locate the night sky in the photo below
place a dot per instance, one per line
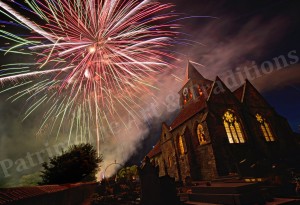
(270, 27)
(230, 35)
(244, 31)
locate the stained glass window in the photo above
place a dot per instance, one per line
(233, 128)
(180, 145)
(200, 90)
(201, 134)
(265, 128)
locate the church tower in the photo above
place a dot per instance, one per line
(195, 86)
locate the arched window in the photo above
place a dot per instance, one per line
(180, 145)
(184, 99)
(265, 128)
(233, 128)
(190, 94)
(187, 95)
(200, 134)
(200, 91)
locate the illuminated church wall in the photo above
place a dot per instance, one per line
(219, 132)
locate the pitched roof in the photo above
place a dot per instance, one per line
(188, 112)
(239, 93)
(155, 151)
(253, 96)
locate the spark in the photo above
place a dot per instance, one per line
(91, 58)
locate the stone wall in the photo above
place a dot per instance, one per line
(198, 161)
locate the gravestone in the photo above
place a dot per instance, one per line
(168, 190)
(150, 185)
(156, 190)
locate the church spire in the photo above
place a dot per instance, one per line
(192, 73)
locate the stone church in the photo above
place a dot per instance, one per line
(219, 133)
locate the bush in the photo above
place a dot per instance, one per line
(79, 163)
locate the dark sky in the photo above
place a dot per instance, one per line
(258, 30)
(236, 33)
(253, 30)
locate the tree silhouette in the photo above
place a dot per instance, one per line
(79, 163)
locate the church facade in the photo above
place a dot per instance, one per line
(219, 132)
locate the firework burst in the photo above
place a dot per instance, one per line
(90, 56)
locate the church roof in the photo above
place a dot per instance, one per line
(248, 91)
(188, 112)
(192, 73)
(155, 151)
(239, 93)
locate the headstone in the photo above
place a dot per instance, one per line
(150, 184)
(168, 190)
(156, 190)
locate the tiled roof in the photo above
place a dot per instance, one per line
(8, 195)
(188, 112)
(155, 151)
(15, 194)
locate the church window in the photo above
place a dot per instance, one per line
(200, 90)
(187, 95)
(190, 94)
(201, 134)
(233, 128)
(184, 99)
(180, 145)
(265, 128)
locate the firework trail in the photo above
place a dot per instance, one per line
(90, 56)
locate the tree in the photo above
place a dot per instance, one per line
(79, 163)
